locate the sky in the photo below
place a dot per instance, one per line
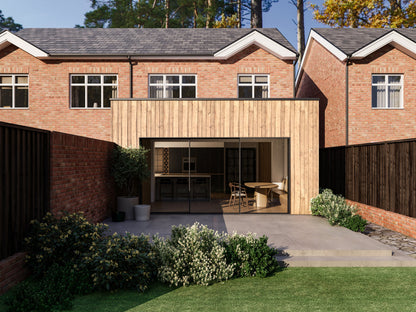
(68, 13)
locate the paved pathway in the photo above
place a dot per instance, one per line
(304, 240)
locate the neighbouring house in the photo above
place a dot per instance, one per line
(213, 106)
(365, 79)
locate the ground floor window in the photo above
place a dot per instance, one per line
(219, 175)
(14, 91)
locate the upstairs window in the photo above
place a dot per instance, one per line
(172, 86)
(253, 86)
(14, 91)
(387, 91)
(93, 91)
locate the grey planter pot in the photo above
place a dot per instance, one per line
(142, 212)
(125, 203)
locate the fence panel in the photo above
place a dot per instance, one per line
(24, 183)
(378, 174)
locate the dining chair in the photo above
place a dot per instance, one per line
(237, 191)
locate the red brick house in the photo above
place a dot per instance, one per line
(365, 79)
(212, 105)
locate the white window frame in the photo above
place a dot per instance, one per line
(86, 85)
(253, 84)
(14, 85)
(164, 84)
(386, 85)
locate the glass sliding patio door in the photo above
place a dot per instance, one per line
(220, 175)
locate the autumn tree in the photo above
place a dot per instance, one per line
(8, 23)
(367, 13)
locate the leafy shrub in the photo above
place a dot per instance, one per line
(250, 255)
(128, 166)
(59, 241)
(121, 262)
(54, 291)
(192, 255)
(337, 211)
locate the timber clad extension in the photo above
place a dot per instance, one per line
(365, 80)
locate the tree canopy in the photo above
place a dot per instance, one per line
(367, 13)
(8, 23)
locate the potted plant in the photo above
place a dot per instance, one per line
(129, 168)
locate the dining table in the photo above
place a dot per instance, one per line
(261, 190)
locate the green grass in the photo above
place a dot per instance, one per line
(293, 289)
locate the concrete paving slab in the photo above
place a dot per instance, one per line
(307, 240)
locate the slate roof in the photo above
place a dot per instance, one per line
(139, 41)
(350, 40)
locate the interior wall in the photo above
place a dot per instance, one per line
(279, 159)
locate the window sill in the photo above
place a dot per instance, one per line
(14, 108)
(90, 108)
(387, 108)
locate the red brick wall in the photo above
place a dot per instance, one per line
(372, 125)
(12, 271)
(393, 221)
(323, 77)
(49, 85)
(80, 176)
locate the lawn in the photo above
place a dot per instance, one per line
(294, 289)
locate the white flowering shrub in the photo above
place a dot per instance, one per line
(337, 211)
(192, 255)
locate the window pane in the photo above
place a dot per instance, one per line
(378, 79)
(78, 79)
(5, 96)
(109, 93)
(110, 79)
(244, 92)
(94, 96)
(188, 79)
(188, 92)
(21, 79)
(156, 79)
(6, 79)
(378, 96)
(260, 92)
(21, 97)
(172, 79)
(78, 96)
(395, 96)
(244, 79)
(172, 92)
(395, 79)
(261, 79)
(156, 92)
(94, 79)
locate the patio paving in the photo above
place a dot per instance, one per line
(303, 240)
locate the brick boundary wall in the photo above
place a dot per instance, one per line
(12, 271)
(80, 176)
(391, 220)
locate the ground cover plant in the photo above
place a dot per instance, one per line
(337, 211)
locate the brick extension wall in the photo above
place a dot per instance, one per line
(49, 85)
(80, 176)
(12, 271)
(393, 221)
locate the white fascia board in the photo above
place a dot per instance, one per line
(394, 38)
(7, 38)
(260, 40)
(326, 44)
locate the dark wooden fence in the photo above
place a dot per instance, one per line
(382, 175)
(24, 183)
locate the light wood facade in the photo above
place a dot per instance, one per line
(133, 119)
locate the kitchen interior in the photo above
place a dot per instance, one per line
(194, 175)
